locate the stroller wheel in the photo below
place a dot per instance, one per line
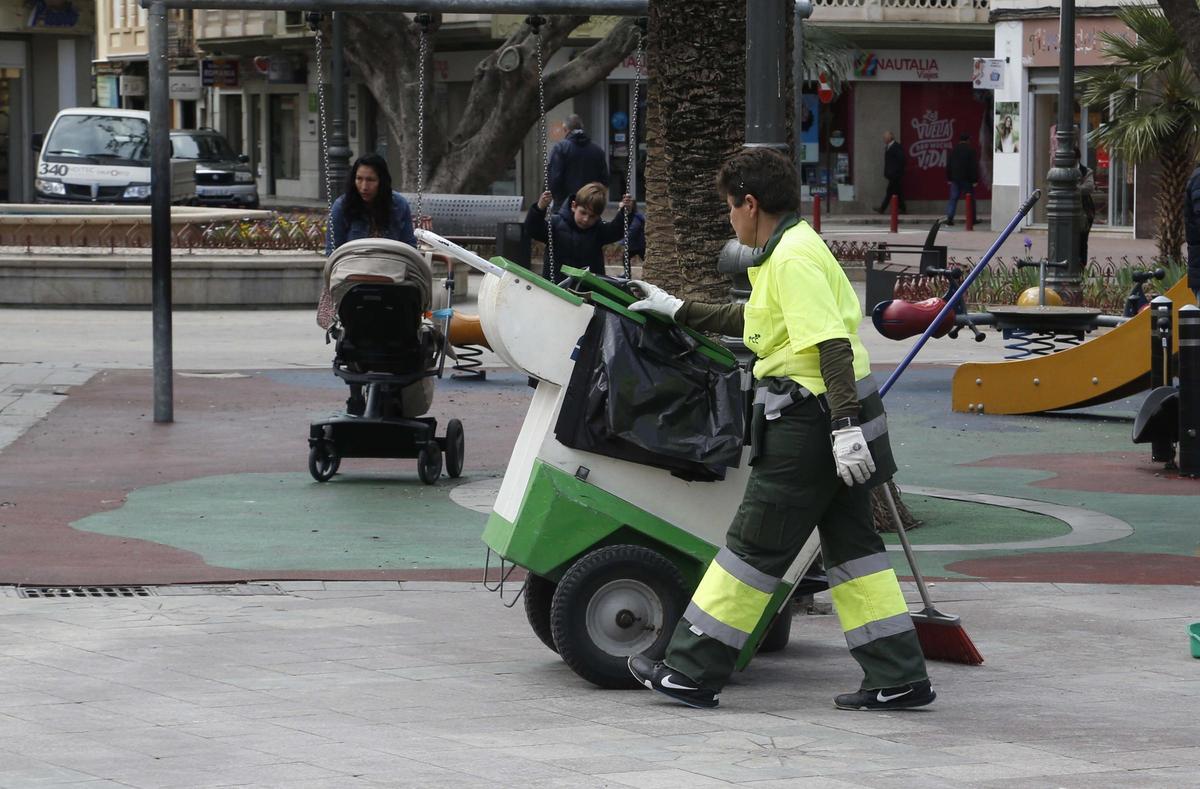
(455, 446)
(429, 463)
(323, 462)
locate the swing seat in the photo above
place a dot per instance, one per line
(898, 319)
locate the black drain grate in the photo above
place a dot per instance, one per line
(84, 591)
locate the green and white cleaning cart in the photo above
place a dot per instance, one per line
(613, 548)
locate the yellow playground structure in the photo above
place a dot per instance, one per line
(1114, 365)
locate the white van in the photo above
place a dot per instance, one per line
(99, 155)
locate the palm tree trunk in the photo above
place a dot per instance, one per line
(1176, 162)
(696, 119)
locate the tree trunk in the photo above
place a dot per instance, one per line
(882, 516)
(1184, 16)
(696, 118)
(502, 105)
(1176, 163)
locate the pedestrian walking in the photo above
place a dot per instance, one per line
(894, 161)
(962, 171)
(574, 162)
(819, 443)
(1191, 215)
(1087, 186)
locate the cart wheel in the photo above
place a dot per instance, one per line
(777, 635)
(323, 461)
(429, 463)
(615, 602)
(455, 447)
(539, 593)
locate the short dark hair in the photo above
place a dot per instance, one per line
(765, 173)
(964, 137)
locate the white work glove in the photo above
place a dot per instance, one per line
(851, 455)
(655, 299)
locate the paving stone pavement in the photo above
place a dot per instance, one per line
(439, 685)
(30, 391)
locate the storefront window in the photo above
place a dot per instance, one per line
(617, 128)
(826, 131)
(285, 137)
(1113, 195)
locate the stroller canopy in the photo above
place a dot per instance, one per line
(377, 260)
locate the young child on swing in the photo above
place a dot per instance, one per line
(579, 232)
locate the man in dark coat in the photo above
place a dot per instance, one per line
(1191, 217)
(893, 171)
(575, 161)
(962, 171)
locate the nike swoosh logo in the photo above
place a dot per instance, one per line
(884, 699)
(667, 683)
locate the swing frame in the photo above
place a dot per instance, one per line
(160, 114)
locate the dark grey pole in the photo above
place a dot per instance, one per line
(804, 10)
(339, 143)
(1063, 207)
(766, 67)
(1189, 390)
(525, 7)
(160, 212)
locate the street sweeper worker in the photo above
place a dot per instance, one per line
(819, 443)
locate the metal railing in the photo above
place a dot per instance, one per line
(902, 10)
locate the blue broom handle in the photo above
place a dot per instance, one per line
(1025, 208)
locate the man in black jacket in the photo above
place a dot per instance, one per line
(962, 171)
(893, 171)
(575, 161)
(1191, 217)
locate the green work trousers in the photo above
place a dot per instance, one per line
(794, 487)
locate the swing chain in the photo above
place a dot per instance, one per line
(535, 23)
(314, 23)
(632, 146)
(422, 20)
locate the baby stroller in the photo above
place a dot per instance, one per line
(388, 352)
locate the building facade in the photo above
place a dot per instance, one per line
(912, 76)
(1027, 39)
(264, 68)
(45, 65)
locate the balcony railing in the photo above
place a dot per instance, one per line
(971, 11)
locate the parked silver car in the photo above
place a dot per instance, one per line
(223, 178)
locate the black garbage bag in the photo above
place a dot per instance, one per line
(645, 393)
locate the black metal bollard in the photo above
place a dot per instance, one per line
(1162, 371)
(1189, 390)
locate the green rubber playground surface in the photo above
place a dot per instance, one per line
(376, 521)
(290, 522)
(945, 521)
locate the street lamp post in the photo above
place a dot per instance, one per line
(339, 143)
(803, 10)
(1063, 207)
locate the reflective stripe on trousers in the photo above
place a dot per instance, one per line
(868, 599)
(730, 600)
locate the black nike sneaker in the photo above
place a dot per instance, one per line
(905, 697)
(669, 682)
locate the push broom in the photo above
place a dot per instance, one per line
(941, 635)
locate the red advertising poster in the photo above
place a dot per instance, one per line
(932, 117)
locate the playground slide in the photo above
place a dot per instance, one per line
(1109, 367)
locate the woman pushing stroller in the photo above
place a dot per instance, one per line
(364, 210)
